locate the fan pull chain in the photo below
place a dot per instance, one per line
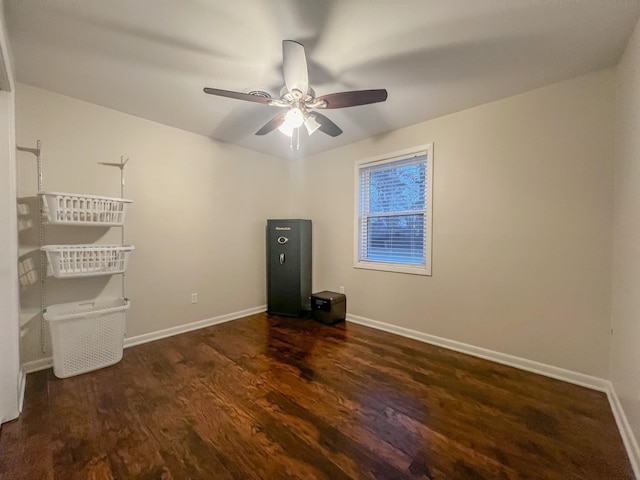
(294, 144)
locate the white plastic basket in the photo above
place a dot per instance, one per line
(68, 261)
(74, 209)
(86, 336)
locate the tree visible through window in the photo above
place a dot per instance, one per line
(394, 213)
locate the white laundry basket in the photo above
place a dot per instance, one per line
(86, 336)
(74, 209)
(68, 261)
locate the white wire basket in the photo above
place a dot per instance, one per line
(86, 336)
(74, 209)
(67, 261)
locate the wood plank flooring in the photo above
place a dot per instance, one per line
(267, 397)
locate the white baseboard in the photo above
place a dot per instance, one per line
(22, 384)
(569, 376)
(576, 378)
(169, 332)
(628, 438)
(30, 367)
(37, 365)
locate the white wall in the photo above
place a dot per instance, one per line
(522, 218)
(197, 221)
(9, 357)
(521, 231)
(625, 342)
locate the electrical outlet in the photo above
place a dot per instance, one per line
(194, 298)
(341, 289)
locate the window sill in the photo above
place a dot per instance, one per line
(394, 267)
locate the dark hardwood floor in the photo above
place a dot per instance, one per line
(275, 398)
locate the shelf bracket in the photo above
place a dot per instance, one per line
(121, 165)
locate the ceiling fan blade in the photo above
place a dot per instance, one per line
(272, 124)
(294, 67)
(354, 98)
(237, 95)
(326, 125)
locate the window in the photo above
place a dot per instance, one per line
(393, 212)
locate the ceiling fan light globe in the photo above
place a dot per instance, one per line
(294, 118)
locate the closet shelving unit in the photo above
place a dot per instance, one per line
(85, 336)
(41, 238)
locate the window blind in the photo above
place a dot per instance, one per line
(392, 211)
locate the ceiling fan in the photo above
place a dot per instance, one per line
(298, 99)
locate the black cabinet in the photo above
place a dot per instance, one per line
(288, 267)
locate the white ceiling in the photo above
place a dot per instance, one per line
(152, 58)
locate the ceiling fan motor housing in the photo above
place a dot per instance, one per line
(259, 93)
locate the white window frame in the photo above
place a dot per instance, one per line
(425, 269)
